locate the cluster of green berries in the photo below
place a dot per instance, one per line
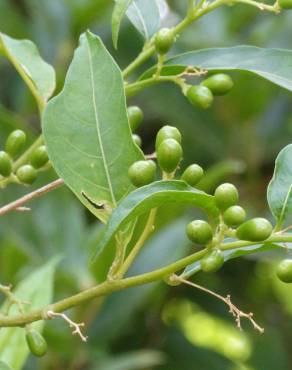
(202, 95)
(27, 173)
(36, 343)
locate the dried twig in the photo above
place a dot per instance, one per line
(72, 324)
(28, 197)
(236, 312)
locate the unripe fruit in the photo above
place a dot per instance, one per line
(285, 4)
(219, 84)
(169, 154)
(137, 140)
(226, 195)
(167, 132)
(26, 174)
(15, 142)
(199, 232)
(200, 96)
(135, 115)
(39, 157)
(212, 262)
(36, 343)
(142, 173)
(164, 40)
(234, 216)
(5, 164)
(193, 174)
(284, 271)
(4, 366)
(254, 230)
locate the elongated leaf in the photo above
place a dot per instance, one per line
(230, 254)
(145, 16)
(37, 289)
(25, 57)
(280, 188)
(87, 132)
(119, 11)
(274, 65)
(141, 201)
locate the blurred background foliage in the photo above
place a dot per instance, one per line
(155, 326)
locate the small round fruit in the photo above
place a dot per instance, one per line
(199, 232)
(193, 174)
(200, 96)
(234, 216)
(4, 366)
(36, 343)
(39, 157)
(135, 115)
(285, 4)
(219, 84)
(284, 270)
(212, 262)
(15, 142)
(142, 173)
(164, 40)
(254, 230)
(226, 195)
(167, 132)
(26, 174)
(169, 154)
(5, 164)
(137, 140)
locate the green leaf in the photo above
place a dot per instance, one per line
(280, 188)
(141, 201)
(145, 16)
(274, 65)
(86, 129)
(119, 11)
(37, 289)
(37, 74)
(230, 254)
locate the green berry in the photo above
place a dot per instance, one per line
(5, 164)
(199, 232)
(137, 140)
(135, 115)
(234, 216)
(15, 142)
(26, 174)
(226, 195)
(200, 96)
(219, 84)
(39, 157)
(193, 174)
(169, 154)
(4, 366)
(254, 230)
(284, 270)
(167, 132)
(212, 262)
(164, 40)
(142, 173)
(285, 4)
(36, 343)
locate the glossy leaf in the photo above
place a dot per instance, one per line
(141, 201)
(145, 16)
(25, 57)
(280, 188)
(86, 129)
(274, 65)
(230, 254)
(37, 289)
(119, 11)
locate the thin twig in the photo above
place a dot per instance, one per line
(28, 197)
(236, 312)
(72, 324)
(12, 299)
